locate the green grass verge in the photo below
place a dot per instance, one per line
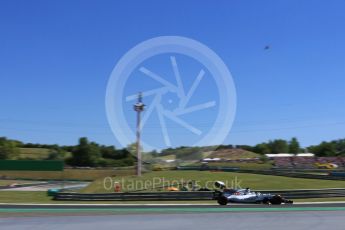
(203, 178)
(167, 157)
(24, 197)
(320, 199)
(70, 174)
(245, 180)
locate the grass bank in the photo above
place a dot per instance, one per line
(154, 180)
(68, 174)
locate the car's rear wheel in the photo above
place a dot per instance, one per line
(265, 201)
(222, 200)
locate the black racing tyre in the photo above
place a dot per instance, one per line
(288, 201)
(266, 201)
(222, 200)
(276, 200)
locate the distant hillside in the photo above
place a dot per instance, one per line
(228, 154)
(232, 154)
(32, 153)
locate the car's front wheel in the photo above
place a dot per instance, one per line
(276, 200)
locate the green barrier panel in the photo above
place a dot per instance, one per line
(31, 165)
(53, 191)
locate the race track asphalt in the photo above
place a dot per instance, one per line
(186, 206)
(277, 220)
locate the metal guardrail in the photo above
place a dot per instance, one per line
(148, 196)
(308, 193)
(196, 196)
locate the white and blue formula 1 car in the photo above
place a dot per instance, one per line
(246, 196)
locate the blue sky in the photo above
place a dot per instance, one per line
(56, 58)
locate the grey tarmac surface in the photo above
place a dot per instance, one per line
(311, 220)
(146, 206)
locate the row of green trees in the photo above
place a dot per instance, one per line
(92, 154)
(332, 148)
(86, 153)
(278, 146)
(273, 146)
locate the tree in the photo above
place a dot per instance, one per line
(56, 154)
(279, 146)
(340, 147)
(7, 148)
(262, 148)
(264, 159)
(294, 146)
(324, 149)
(85, 153)
(109, 152)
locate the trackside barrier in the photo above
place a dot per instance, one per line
(190, 196)
(308, 193)
(149, 196)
